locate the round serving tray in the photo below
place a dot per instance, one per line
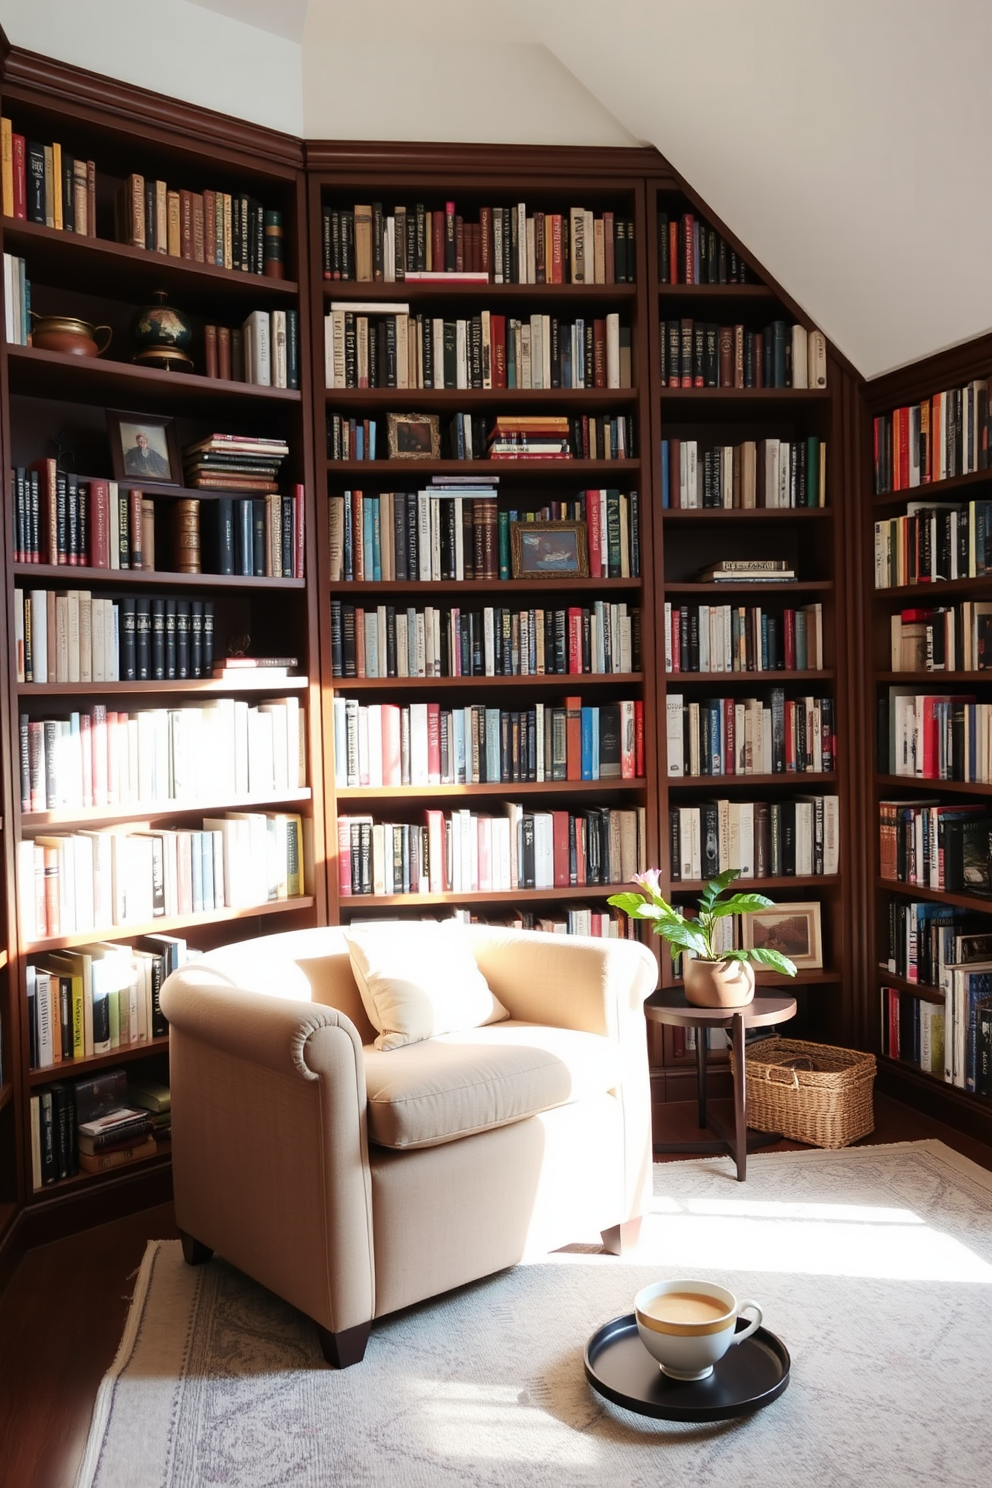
(750, 1374)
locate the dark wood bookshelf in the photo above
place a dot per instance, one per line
(148, 578)
(539, 588)
(510, 472)
(979, 902)
(748, 679)
(87, 816)
(188, 687)
(531, 898)
(56, 374)
(935, 490)
(929, 787)
(67, 1068)
(935, 592)
(494, 400)
(735, 514)
(168, 924)
(543, 680)
(918, 989)
(478, 789)
(788, 779)
(786, 881)
(750, 586)
(416, 290)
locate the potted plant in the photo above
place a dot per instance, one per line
(711, 978)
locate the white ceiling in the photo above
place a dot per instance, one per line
(843, 142)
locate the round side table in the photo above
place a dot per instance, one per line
(668, 1005)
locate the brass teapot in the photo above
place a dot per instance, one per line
(68, 334)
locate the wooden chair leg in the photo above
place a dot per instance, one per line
(622, 1238)
(194, 1251)
(345, 1348)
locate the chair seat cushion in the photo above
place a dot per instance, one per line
(459, 1083)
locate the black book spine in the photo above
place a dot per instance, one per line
(169, 625)
(196, 638)
(128, 641)
(143, 639)
(182, 638)
(158, 640)
(36, 182)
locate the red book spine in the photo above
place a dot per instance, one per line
(673, 252)
(560, 835)
(594, 534)
(344, 857)
(729, 737)
(639, 769)
(20, 178)
(688, 249)
(893, 999)
(486, 240)
(436, 237)
(609, 249)
(575, 642)
(299, 534)
(557, 267)
(790, 736)
(497, 335)
(676, 640)
(210, 226)
(903, 449)
(789, 628)
(573, 738)
(186, 223)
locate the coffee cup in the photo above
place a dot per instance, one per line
(689, 1325)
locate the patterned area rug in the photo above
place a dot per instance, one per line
(874, 1265)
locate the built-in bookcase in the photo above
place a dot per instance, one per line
(927, 698)
(55, 409)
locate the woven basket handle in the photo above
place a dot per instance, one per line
(786, 1070)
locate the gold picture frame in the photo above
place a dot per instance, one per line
(413, 436)
(549, 550)
(793, 929)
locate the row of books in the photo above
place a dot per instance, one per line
(16, 302)
(743, 638)
(250, 536)
(390, 641)
(229, 230)
(913, 1030)
(952, 1040)
(747, 736)
(692, 252)
(95, 998)
(383, 346)
(424, 744)
(83, 1125)
(94, 880)
(76, 636)
(219, 749)
(469, 852)
(235, 462)
(702, 354)
(943, 436)
(935, 846)
(757, 473)
(457, 531)
(504, 245)
(932, 737)
(926, 940)
(44, 183)
(265, 350)
(469, 437)
(945, 638)
(763, 839)
(568, 919)
(934, 542)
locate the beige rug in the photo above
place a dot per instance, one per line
(874, 1266)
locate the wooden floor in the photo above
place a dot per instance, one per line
(63, 1313)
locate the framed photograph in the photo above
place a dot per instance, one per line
(143, 446)
(549, 550)
(793, 929)
(414, 436)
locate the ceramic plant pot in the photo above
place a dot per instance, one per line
(717, 984)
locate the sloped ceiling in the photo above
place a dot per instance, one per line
(844, 142)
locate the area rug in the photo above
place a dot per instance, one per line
(874, 1265)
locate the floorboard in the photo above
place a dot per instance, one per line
(63, 1313)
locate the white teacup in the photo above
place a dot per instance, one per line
(688, 1325)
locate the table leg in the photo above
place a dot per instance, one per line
(701, 1042)
(740, 1098)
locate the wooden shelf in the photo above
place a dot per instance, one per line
(495, 896)
(54, 374)
(936, 896)
(775, 679)
(122, 272)
(84, 1180)
(918, 989)
(814, 881)
(566, 680)
(937, 490)
(794, 586)
(933, 787)
(542, 587)
(415, 289)
(727, 292)
(492, 400)
(733, 401)
(84, 816)
(500, 788)
(71, 1068)
(146, 578)
(918, 679)
(788, 778)
(509, 472)
(166, 925)
(935, 591)
(209, 686)
(788, 514)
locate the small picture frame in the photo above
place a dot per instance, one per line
(414, 436)
(144, 447)
(549, 550)
(793, 929)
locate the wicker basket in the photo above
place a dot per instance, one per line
(810, 1092)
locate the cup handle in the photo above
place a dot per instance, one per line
(110, 336)
(756, 1323)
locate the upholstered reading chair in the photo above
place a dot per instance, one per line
(353, 1180)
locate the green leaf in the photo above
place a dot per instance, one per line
(741, 904)
(775, 960)
(734, 955)
(716, 887)
(630, 903)
(686, 937)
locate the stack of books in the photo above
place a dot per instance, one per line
(748, 571)
(529, 437)
(234, 462)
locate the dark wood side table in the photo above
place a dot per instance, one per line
(668, 1005)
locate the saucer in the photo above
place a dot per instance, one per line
(750, 1375)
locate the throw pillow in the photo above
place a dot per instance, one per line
(420, 978)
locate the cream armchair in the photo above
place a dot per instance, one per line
(353, 1182)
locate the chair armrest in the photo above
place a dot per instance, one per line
(269, 1139)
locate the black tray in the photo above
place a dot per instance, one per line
(750, 1374)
